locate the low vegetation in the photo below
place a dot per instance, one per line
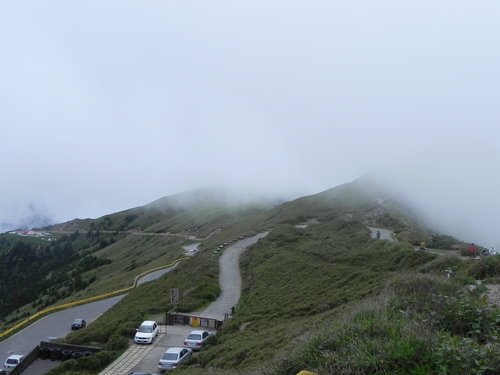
(295, 280)
(420, 324)
(327, 298)
(36, 273)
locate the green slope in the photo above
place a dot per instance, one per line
(294, 280)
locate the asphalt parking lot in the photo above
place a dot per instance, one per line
(145, 358)
(175, 336)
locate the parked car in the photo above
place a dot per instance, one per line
(196, 339)
(173, 357)
(146, 332)
(12, 362)
(78, 323)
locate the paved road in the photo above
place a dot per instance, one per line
(57, 324)
(230, 284)
(145, 358)
(230, 278)
(155, 275)
(385, 234)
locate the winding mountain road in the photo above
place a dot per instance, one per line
(229, 278)
(58, 324)
(145, 359)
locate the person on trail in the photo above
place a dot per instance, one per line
(378, 235)
(422, 246)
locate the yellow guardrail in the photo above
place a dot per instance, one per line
(64, 306)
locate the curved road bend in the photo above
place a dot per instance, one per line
(155, 275)
(138, 359)
(58, 324)
(230, 278)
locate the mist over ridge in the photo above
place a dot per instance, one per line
(278, 99)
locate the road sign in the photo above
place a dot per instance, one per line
(174, 296)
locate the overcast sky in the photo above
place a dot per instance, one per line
(106, 105)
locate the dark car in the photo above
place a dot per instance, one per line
(139, 373)
(78, 323)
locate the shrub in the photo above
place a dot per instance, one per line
(116, 342)
(445, 305)
(440, 264)
(464, 314)
(486, 267)
(459, 355)
(78, 366)
(372, 342)
(415, 293)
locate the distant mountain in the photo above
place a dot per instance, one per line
(200, 212)
(31, 216)
(197, 213)
(104, 254)
(363, 200)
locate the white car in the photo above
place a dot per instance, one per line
(12, 362)
(173, 357)
(196, 339)
(146, 332)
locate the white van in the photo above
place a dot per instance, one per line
(12, 362)
(146, 332)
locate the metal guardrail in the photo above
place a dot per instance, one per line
(41, 313)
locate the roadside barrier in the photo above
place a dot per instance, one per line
(41, 313)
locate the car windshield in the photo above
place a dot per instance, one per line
(169, 356)
(194, 336)
(12, 361)
(78, 321)
(145, 329)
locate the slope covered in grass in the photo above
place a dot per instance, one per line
(293, 280)
(421, 324)
(196, 213)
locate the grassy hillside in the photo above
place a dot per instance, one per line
(105, 254)
(196, 213)
(298, 282)
(294, 280)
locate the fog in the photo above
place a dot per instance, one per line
(106, 105)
